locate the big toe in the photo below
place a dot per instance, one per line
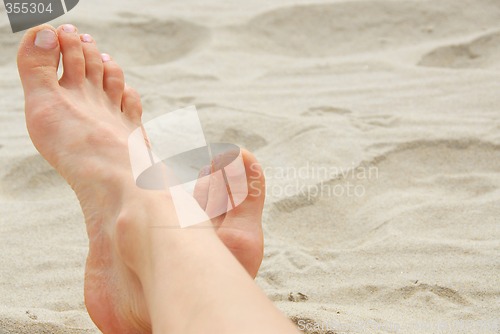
(253, 204)
(38, 59)
(241, 230)
(247, 199)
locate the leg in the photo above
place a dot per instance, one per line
(137, 277)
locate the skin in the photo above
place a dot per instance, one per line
(138, 279)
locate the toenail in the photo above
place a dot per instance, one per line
(46, 39)
(105, 57)
(69, 28)
(87, 38)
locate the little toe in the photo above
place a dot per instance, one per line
(114, 80)
(72, 56)
(131, 105)
(94, 69)
(38, 60)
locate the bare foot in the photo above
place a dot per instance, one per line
(81, 124)
(237, 228)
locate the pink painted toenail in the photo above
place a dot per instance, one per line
(87, 38)
(69, 28)
(46, 39)
(105, 57)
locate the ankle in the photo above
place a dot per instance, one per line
(133, 232)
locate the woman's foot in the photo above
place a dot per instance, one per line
(81, 124)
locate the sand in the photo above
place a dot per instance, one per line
(378, 124)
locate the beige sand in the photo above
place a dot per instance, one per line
(396, 101)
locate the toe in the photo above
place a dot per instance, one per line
(94, 69)
(131, 105)
(241, 230)
(253, 203)
(72, 55)
(211, 195)
(217, 196)
(38, 59)
(114, 80)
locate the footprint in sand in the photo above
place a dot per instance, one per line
(322, 30)
(404, 188)
(158, 42)
(483, 52)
